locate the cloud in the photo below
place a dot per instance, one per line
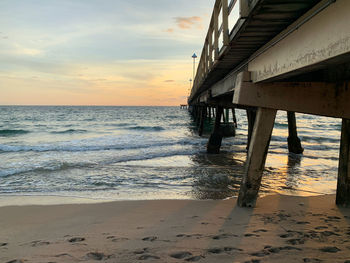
(170, 30)
(188, 22)
(169, 80)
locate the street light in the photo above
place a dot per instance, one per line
(190, 87)
(194, 56)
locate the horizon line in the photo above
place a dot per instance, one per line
(66, 105)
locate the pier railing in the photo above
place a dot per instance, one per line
(223, 20)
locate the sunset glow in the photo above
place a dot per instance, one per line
(99, 52)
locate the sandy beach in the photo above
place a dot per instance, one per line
(279, 229)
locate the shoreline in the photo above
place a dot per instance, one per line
(280, 229)
(57, 199)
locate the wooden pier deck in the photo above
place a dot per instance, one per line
(269, 55)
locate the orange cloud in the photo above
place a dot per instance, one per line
(188, 22)
(170, 30)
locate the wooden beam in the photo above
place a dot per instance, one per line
(251, 116)
(319, 98)
(343, 186)
(311, 40)
(257, 153)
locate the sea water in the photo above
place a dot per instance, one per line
(134, 153)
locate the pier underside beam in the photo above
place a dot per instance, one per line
(320, 35)
(257, 153)
(343, 186)
(318, 98)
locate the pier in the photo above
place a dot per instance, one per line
(268, 55)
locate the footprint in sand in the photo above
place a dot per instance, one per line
(141, 251)
(321, 227)
(187, 256)
(194, 259)
(76, 239)
(3, 244)
(151, 238)
(253, 261)
(146, 257)
(260, 230)
(286, 235)
(303, 222)
(222, 236)
(217, 250)
(64, 255)
(329, 233)
(312, 260)
(39, 243)
(181, 255)
(97, 256)
(251, 235)
(296, 241)
(268, 250)
(15, 261)
(188, 236)
(330, 249)
(118, 239)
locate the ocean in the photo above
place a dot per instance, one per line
(140, 153)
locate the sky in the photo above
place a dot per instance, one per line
(99, 52)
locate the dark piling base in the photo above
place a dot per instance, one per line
(215, 139)
(294, 144)
(214, 143)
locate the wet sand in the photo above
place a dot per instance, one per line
(279, 229)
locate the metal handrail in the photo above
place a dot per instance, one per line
(211, 49)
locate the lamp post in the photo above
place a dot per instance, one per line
(194, 56)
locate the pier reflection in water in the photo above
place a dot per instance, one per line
(311, 173)
(220, 177)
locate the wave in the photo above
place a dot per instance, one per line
(69, 131)
(75, 147)
(7, 132)
(280, 124)
(52, 166)
(122, 124)
(147, 128)
(44, 168)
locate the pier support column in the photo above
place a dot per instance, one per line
(203, 115)
(343, 186)
(215, 138)
(256, 157)
(294, 144)
(198, 115)
(234, 117)
(251, 114)
(227, 115)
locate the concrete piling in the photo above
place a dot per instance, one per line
(215, 138)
